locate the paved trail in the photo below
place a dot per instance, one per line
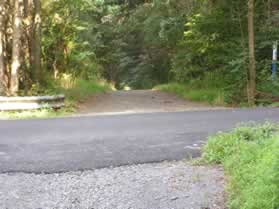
(80, 143)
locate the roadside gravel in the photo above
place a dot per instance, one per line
(168, 185)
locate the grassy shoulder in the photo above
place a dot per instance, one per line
(212, 91)
(75, 93)
(250, 156)
(212, 96)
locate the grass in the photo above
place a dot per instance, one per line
(275, 104)
(43, 113)
(213, 96)
(250, 156)
(84, 89)
(75, 93)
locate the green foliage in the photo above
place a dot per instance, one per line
(66, 42)
(31, 114)
(144, 39)
(216, 40)
(211, 96)
(142, 44)
(250, 156)
(209, 89)
(83, 89)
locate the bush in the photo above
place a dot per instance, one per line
(208, 90)
(250, 155)
(82, 89)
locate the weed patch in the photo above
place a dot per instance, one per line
(213, 96)
(250, 156)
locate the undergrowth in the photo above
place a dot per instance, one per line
(213, 96)
(250, 156)
(84, 89)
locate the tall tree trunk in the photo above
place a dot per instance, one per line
(16, 54)
(9, 41)
(252, 59)
(2, 47)
(268, 9)
(36, 42)
(28, 35)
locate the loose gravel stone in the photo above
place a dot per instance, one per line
(168, 185)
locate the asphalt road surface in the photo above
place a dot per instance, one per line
(85, 143)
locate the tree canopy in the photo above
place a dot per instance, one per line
(139, 43)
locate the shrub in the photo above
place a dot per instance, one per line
(211, 95)
(82, 89)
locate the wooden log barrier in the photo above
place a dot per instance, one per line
(31, 103)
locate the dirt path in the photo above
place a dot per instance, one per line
(138, 101)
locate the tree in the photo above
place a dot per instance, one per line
(36, 42)
(2, 42)
(140, 43)
(252, 59)
(16, 51)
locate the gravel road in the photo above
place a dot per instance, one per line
(168, 185)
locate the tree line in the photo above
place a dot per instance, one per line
(186, 41)
(20, 44)
(139, 43)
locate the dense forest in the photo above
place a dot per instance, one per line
(219, 44)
